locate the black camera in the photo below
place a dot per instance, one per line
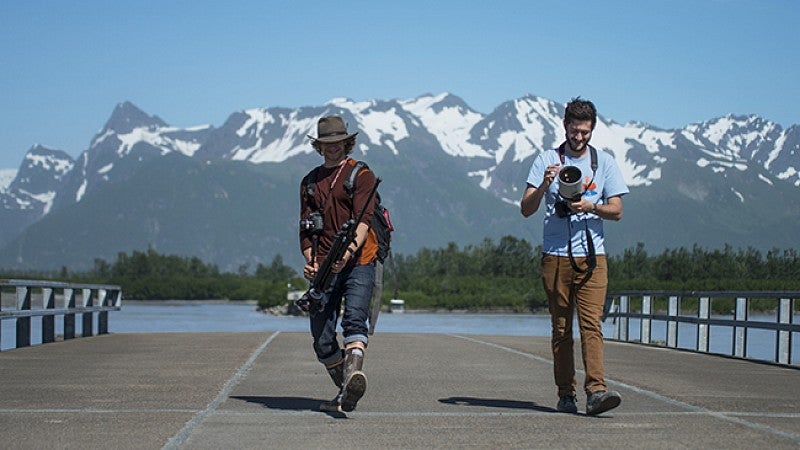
(312, 223)
(310, 302)
(562, 209)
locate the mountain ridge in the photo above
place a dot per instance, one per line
(444, 162)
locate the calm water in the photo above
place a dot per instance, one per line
(142, 317)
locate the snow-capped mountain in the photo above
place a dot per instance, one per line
(38, 180)
(129, 138)
(446, 159)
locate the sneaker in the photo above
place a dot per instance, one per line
(567, 404)
(602, 401)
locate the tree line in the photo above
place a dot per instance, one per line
(489, 275)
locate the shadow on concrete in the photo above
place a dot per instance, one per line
(290, 404)
(495, 403)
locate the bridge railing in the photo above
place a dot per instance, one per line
(692, 313)
(48, 299)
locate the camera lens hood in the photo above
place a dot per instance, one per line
(569, 183)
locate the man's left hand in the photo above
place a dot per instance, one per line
(340, 264)
(582, 206)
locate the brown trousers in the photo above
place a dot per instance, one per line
(568, 291)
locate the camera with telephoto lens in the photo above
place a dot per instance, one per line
(570, 189)
(310, 302)
(312, 223)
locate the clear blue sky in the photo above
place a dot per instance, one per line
(64, 66)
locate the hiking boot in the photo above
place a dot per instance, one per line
(567, 404)
(336, 371)
(601, 401)
(334, 405)
(355, 383)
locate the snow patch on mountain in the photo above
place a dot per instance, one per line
(738, 194)
(48, 162)
(733, 137)
(619, 139)
(539, 121)
(81, 190)
(292, 141)
(158, 138)
(789, 173)
(765, 180)
(354, 107)
(383, 126)
(486, 179)
(776, 150)
(254, 125)
(6, 177)
(451, 125)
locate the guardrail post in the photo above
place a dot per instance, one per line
(624, 307)
(102, 316)
(48, 321)
(783, 346)
(69, 318)
(672, 325)
(87, 328)
(23, 323)
(613, 309)
(703, 328)
(740, 332)
(645, 331)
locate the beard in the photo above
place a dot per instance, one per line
(577, 146)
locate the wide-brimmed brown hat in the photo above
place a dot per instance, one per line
(331, 129)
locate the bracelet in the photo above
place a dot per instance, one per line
(351, 251)
(594, 208)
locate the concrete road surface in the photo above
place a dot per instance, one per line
(262, 390)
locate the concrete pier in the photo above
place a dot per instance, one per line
(262, 390)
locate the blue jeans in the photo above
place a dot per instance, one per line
(355, 284)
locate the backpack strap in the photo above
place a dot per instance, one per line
(308, 186)
(350, 182)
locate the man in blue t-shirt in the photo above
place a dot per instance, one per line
(581, 187)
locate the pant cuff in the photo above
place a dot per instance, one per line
(356, 338)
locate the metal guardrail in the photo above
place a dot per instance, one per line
(619, 308)
(76, 299)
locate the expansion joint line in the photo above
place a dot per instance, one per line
(180, 438)
(719, 415)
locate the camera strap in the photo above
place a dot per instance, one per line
(309, 189)
(562, 150)
(311, 181)
(591, 257)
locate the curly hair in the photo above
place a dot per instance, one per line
(349, 144)
(580, 110)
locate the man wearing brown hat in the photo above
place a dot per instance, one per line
(325, 206)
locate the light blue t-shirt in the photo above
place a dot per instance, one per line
(607, 182)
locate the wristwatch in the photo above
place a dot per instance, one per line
(594, 208)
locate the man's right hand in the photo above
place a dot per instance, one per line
(310, 270)
(550, 175)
